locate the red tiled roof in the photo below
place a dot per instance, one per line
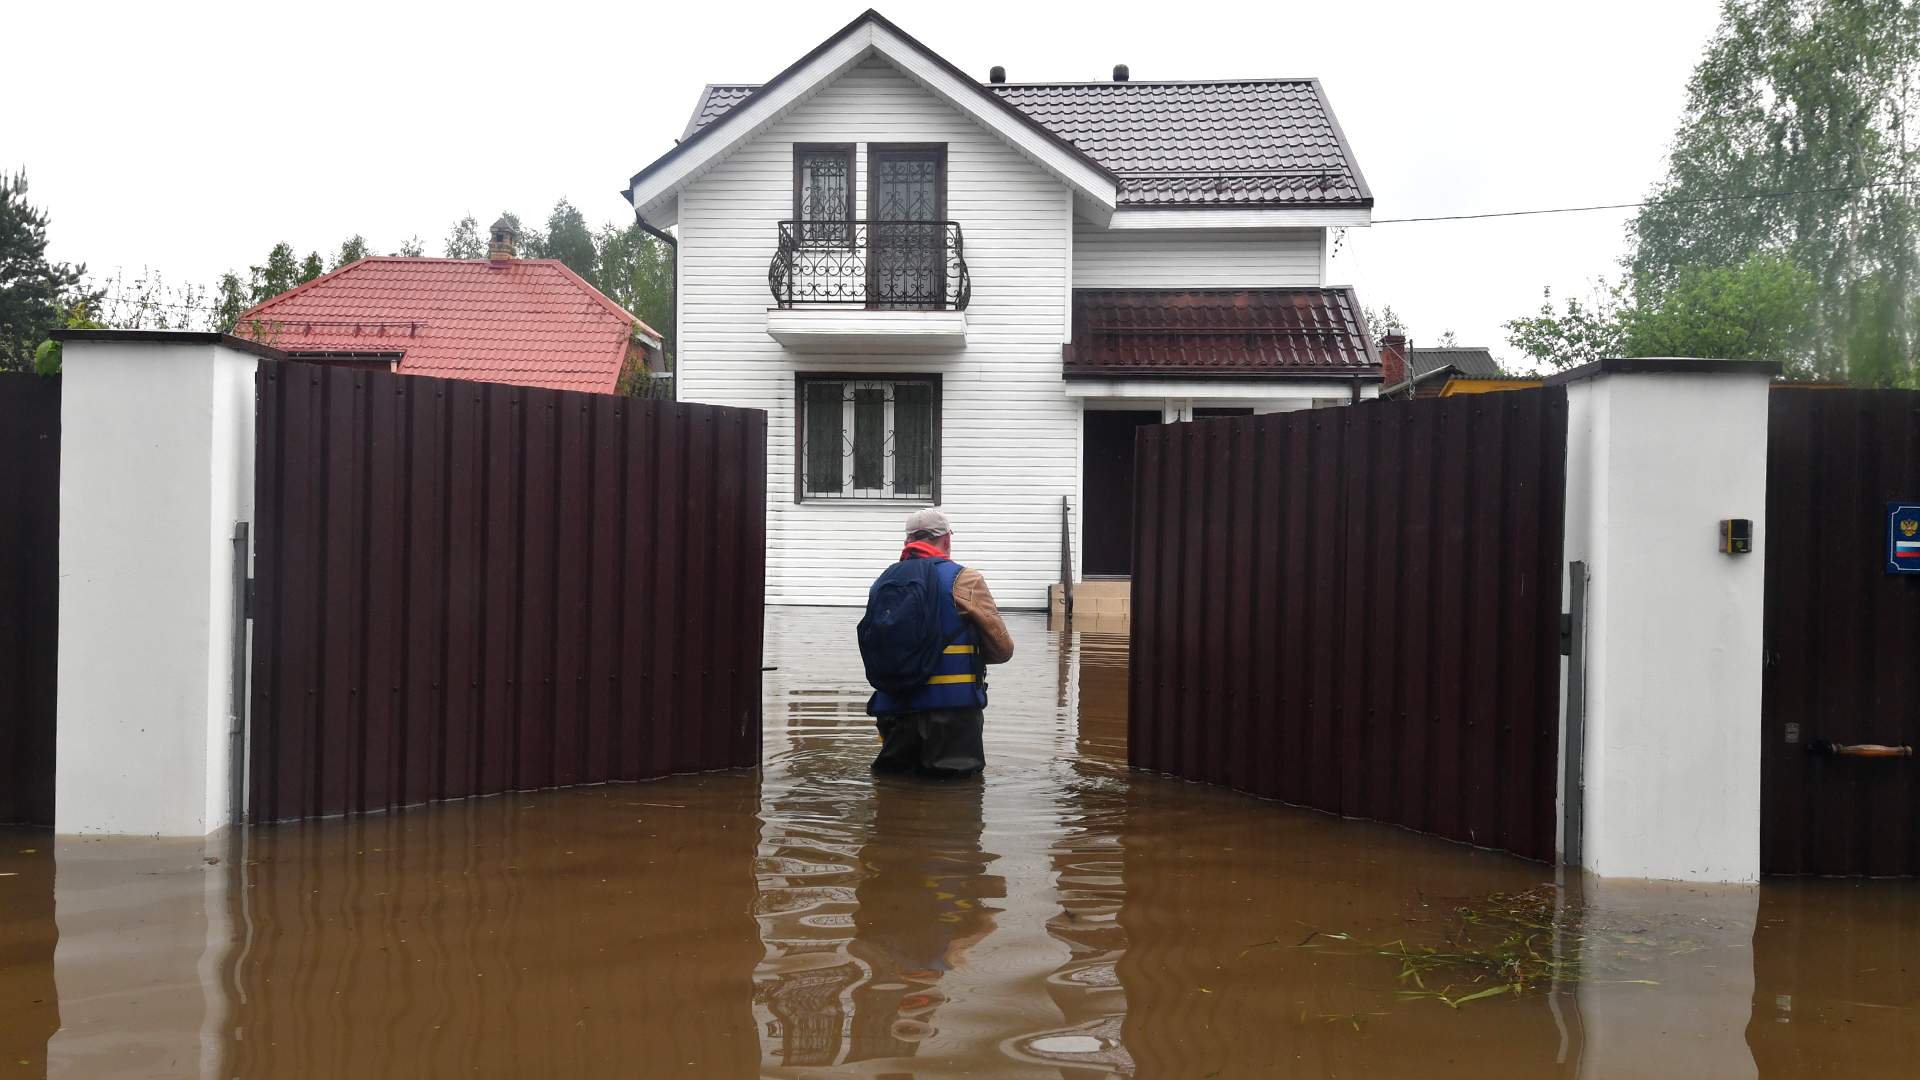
(528, 322)
(1218, 332)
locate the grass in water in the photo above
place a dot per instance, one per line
(1503, 944)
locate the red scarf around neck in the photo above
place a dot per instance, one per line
(920, 549)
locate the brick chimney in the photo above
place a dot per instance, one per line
(500, 248)
(1393, 359)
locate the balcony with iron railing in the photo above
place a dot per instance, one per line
(869, 285)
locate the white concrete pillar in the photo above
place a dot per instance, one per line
(157, 453)
(1658, 452)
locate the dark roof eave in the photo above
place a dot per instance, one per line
(1443, 369)
(346, 354)
(1212, 374)
(1365, 203)
(1340, 136)
(171, 337)
(1663, 365)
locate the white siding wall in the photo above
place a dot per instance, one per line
(1195, 259)
(1010, 440)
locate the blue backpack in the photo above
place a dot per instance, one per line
(900, 639)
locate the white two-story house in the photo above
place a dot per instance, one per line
(970, 293)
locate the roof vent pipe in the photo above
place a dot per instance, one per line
(1119, 73)
(997, 75)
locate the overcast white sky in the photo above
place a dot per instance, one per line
(190, 138)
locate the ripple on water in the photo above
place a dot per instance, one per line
(1059, 917)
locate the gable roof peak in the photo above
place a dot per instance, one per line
(870, 33)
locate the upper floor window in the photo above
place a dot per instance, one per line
(902, 254)
(823, 192)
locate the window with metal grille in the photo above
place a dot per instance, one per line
(863, 438)
(823, 192)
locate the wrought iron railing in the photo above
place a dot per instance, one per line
(898, 265)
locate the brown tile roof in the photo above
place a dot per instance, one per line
(1236, 143)
(715, 100)
(1218, 332)
(528, 322)
(1268, 142)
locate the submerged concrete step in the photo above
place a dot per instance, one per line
(1106, 601)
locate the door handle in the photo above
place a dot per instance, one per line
(1859, 750)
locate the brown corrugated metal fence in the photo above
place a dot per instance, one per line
(29, 593)
(466, 588)
(1842, 635)
(1357, 610)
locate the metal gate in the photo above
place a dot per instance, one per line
(1357, 609)
(29, 593)
(466, 588)
(1842, 642)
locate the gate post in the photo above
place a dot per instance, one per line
(158, 465)
(1659, 451)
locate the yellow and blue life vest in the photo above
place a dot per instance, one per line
(958, 680)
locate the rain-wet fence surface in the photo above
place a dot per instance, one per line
(467, 588)
(1357, 610)
(1842, 635)
(29, 593)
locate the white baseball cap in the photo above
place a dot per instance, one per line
(929, 521)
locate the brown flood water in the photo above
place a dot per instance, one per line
(1061, 918)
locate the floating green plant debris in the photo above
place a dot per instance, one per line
(1504, 944)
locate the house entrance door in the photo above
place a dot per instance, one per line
(907, 207)
(1107, 474)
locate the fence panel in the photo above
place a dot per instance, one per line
(29, 594)
(1841, 635)
(1372, 618)
(467, 588)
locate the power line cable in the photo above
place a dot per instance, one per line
(1749, 196)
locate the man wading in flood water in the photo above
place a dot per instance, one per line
(930, 630)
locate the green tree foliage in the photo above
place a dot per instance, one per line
(231, 299)
(635, 270)
(569, 240)
(1812, 97)
(79, 316)
(34, 294)
(352, 249)
(311, 268)
(1383, 321)
(412, 248)
(1577, 333)
(529, 243)
(280, 273)
(464, 240)
(1762, 309)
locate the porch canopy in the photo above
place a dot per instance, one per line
(1249, 334)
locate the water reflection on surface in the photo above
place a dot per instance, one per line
(1059, 917)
